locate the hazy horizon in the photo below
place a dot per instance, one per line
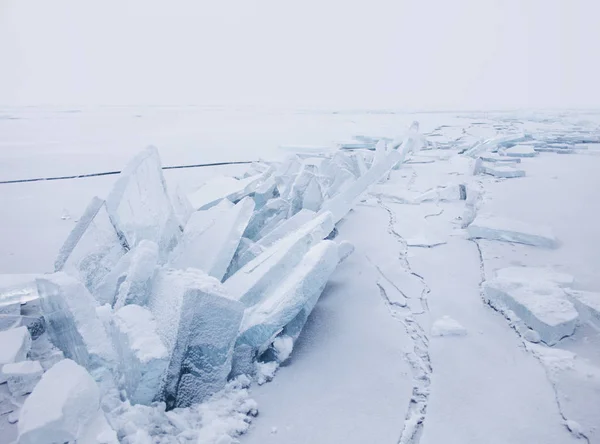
(465, 55)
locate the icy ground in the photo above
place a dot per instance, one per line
(455, 320)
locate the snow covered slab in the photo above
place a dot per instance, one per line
(211, 248)
(520, 151)
(142, 354)
(252, 282)
(287, 305)
(139, 205)
(502, 171)
(587, 304)
(198, 323)
(542, 306)
(73, 324)
(207, 333)
(92, 248)
(64, 405)
(499, 159)
(510, 230)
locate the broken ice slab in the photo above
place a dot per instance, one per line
(198, 323)
(73, 324)
(250, 284)
(21, 377)
(341, 204)
(61, 408)
(548, 149)
(14, 346)
(265, 219)
(501, 171)
(499, 159)
(520, 151)
(587, 304)
(279, 232)
(181, 206)
(92, 249)
(495, 142)
(142, 354)
(133, 286)
(305, 191)
(285, 174)
(219, 188)
(207, 333)
(264, 192)
(509, 230)
(357, 145)
(287, 305)
(542, 306)
(139, 205)
(15, 290)
(211, 248)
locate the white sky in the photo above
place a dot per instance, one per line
(442, 54)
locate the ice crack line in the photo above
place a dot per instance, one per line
(418, 359)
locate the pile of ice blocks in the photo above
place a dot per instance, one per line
(164, 299)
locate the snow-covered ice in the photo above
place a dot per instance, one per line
(287, 307)
(490, 227)
(447, 326)
(142, 355)
(63, 405)
(542, 306)
(134, 285)
(21, 377)
(520, 151)
(73, 324)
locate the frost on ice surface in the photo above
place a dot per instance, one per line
(143, 356)
(63, 405)
(139, 204)
(21, 377)
(446, 326)
(508, 230)
(287, 306)
(73, 324)
(542, 306)
(211, 248)
(198, 323)
(92, 249)
(207, 331)
(520, 151)
(252, 282)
